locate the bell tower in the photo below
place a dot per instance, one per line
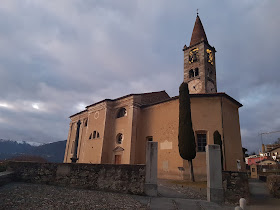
(199, 62)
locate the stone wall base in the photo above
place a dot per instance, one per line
(215, 195)
(151, 189)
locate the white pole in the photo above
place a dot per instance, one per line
(242, 203)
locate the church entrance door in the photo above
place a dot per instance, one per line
(118, 159)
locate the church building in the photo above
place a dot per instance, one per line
(115, 131)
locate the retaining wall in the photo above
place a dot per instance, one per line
(235, 186)
(273, 183)
(107, 177)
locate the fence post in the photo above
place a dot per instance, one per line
(242, 203)
(215, 191)
(151, 168)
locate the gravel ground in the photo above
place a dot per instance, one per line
(34, 196)
(181, 190)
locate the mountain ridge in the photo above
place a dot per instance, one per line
(52, 152)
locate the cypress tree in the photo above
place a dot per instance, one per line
(186, 139)
(218, 140)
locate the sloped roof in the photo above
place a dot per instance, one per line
(274, 149)
(153, 96)
(200, 95)
(198, 33)
(264, 160)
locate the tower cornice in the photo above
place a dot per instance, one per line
(203, 41)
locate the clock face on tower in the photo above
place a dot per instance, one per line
(195, 86)
(211, 87)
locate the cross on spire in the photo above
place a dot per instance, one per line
(197, 11)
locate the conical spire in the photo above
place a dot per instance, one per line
(198, 33)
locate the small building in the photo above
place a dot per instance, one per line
(269, 147)
(252, 160)
(254, 171)
(266, 162)
(115, 131)
(275, 153)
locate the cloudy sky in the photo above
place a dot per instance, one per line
(56, 57)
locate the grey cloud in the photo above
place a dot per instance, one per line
(64, 53)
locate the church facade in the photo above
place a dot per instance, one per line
(115, 131)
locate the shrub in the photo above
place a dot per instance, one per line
(273, 183)
(3, 166)
(186, 139)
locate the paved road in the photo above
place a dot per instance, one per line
(163, 203)
(171, 199)
(16, 195)
(260, 197)
(34, 196)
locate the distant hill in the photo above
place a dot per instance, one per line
(52, 152)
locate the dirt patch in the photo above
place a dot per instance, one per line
(183, 189)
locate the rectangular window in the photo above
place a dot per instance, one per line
(201, 142)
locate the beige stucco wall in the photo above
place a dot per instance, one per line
(124, 125)
(121, 125)
(72, 135)
(102, 118)
(161, 122)
(232, 137)
(90, 150)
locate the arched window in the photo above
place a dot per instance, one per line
(191, 73)
(85, 122)
(119, 138)
(196, 73)
(195, 56)
(121, 113)
(94, 134)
